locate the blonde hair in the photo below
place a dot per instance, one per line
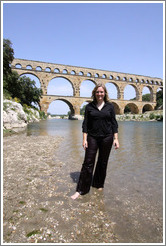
(106, 97)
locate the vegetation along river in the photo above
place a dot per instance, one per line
(128, 210)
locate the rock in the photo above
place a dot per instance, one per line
(14, 115)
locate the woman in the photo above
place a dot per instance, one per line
(100, 131)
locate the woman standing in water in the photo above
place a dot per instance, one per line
(100, 132)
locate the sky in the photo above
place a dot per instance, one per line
(123, 37)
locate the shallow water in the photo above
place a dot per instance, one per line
(133, 193)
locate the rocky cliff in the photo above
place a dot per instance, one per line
(17, 116)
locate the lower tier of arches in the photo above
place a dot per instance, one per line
(75, 103)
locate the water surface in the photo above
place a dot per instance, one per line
(133, 193)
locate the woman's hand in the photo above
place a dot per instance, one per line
(85, 142)
(116, 143)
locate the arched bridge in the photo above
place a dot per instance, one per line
(45, 72)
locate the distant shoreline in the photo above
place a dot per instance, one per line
(155, 115)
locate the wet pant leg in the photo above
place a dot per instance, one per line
(85, 179)
(105, 145)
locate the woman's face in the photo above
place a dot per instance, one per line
(100, 94)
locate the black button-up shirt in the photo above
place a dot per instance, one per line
(99, 123)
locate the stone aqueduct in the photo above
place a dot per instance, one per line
(45, 72)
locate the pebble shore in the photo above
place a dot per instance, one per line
(37, 207)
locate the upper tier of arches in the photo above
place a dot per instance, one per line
(85, 72)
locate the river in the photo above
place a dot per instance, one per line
(133, 193)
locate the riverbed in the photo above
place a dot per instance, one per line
(41, 168)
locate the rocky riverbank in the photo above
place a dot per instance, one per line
(147, 116)
(16, 117)
(37, 207)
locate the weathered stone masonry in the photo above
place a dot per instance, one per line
(45, 72)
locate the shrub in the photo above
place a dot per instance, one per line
(151, 116)
(42, 114)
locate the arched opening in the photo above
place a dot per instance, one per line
(131, 108)
(38, 68)
(56, 70)
(64, 71)
(73, 72)
(146, 94)
(60, 107)
(89, 74)
(82, 108)
(112, 90)
(18, 66)
(116, 108)
(81, 73)
(32, 77)
(29, 67)
(48, 69)
(60, 86)
(147, 107)
(129, 92)
(86, 88)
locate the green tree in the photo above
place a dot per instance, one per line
(127, 109)
(146, 97)
(82, 110)
(14, 86)
(159, 98)
(28, 93)
(8, 56)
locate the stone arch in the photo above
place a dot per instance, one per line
(135, 90)
(56, 70)
(84, 90)
(147, 107)
(150, 90)
(116, 108)
(18, 65)
(65, 101)
(30, 73)
(65, 71)
(133, 108)
(89, 74)
(85, 102)
(73, 72)
(61, 77)
(115, 93)
(38, 68)
(48, 69)
(29, 67)
(81, 73)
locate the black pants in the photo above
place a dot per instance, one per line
(86, 179)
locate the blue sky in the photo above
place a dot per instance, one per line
(122, 37)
